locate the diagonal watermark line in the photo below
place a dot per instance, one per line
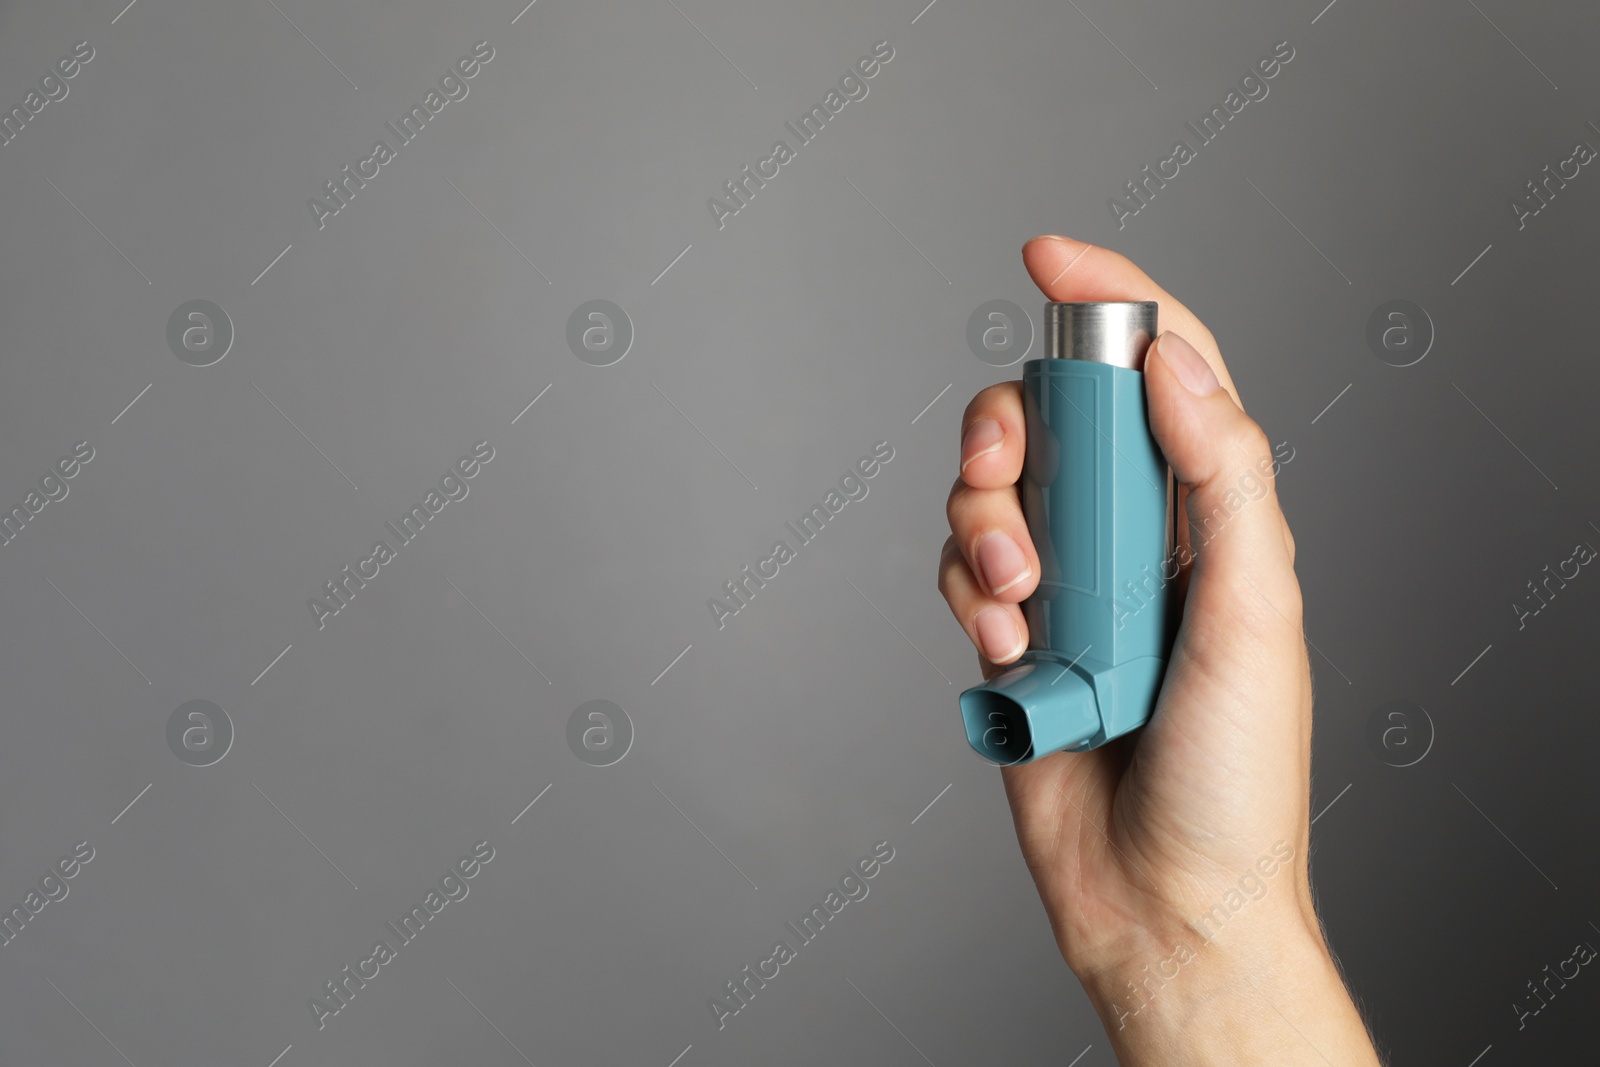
(1502, 433)
(1502, 833)
(274, 263)
(931, 803)
(90, 1021)
(1068, 671)
(702, 433)
(131, 803)
(1474, 662)
(897, 629)
(1332, 402)
(680, 1056)
(932, 402)
(501, 232)
(490, 1021)
(1301, 232)
(524, 11)
(124, 11)
(1079, 1056)
(1069, 266)
(273, 664)
(97, 629)
(1480, 1056)
(1331, 803)
(1474, 262)
(702, 833)
(531, 803)
(1324, 11)
(312, 43)
(1513, 44)
(97, 229)
(1302, 630)
(499, 631)
(713, 44)
(1113, 44)
(924, 11)
(132, 402)
(901, 232)
(532, 402)
(674, 263)
(671, 665)
(302, 433)
(890, 1021)
(1296, 1029)
(302, 833)
(280, 1056)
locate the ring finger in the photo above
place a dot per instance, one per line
(997, 630)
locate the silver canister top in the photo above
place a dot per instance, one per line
(1100, 332)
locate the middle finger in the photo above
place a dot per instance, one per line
(994, 539)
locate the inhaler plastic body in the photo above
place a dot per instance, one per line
(1097, 496)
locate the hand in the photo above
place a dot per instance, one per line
(1172, 861)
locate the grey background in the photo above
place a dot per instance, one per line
(376, 351)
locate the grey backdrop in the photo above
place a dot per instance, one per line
(370, 354)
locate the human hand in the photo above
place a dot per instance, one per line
(1172, 862)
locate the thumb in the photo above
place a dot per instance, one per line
(1237, 538)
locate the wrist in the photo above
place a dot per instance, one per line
(1267, 993)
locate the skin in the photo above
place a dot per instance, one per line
(1130, 845)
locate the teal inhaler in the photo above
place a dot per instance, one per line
(1098, 499)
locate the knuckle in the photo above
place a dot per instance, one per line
(981, 402)
(949, 561)
(974, 406)
(954, 503)
(993, 401)
(1254, 441)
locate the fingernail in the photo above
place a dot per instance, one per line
(1192, 370)
(1056, 237)
(982, 437)
(997, 634)
(1002, 562)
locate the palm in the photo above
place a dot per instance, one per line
(1115, 833)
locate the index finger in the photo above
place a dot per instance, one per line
(993, 438)
(1070, 270)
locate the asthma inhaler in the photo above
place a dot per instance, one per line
(1098, 499)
